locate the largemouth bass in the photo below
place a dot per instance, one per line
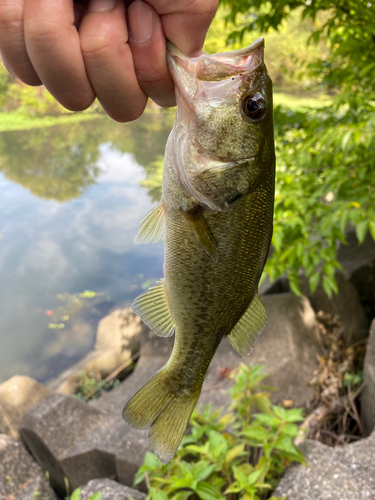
(216, 220)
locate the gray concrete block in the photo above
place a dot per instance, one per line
(20, 476)
(334, 473)
(110, 491)
(17, 396)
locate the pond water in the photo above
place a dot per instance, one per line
(71, 198)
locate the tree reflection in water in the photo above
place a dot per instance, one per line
(61, 162)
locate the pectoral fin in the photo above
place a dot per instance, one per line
(153, 308)
(151, 227)
(250, 325)
(202, 231)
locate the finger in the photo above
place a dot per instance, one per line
(109, 61)
(52, 43)
(185, 24)
(148, 46)
(12, 42)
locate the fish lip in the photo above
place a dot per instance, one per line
(258, 43)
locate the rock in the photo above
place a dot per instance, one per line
(346, 304)
(17, 396)
(110, 491)
(117, 341)
(363, 280)
(354, 255)
(368, 393)
(154, 354)
(334, 473)
(120, 330)
(71, 439)
(20, 477)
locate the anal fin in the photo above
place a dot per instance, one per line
(202, 231)
(249, 327)
(151, 227)
(153, 308)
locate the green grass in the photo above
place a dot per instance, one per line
(296, 102)
(16, 121)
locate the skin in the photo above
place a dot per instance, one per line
(97, 48)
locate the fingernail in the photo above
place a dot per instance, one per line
(141, 22)
(101, 5)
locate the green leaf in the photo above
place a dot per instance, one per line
(314, 282)
(361, 230)
(96, 496)
(182, 495)
(157, 494)
(206, 491)
(76, 495)
(372, 229)
(234, 453)
(202, 470)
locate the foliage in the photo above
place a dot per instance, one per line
(325, 157)
(325, 164)
(239, 455)
(90, 385)
(286, 48)
(76, 495)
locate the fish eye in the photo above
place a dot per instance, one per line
(254, 106)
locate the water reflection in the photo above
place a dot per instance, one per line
(61, 162)
(71, 198)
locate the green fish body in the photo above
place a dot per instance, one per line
(216, 220)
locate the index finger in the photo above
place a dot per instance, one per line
(53, 45)
(185, 24)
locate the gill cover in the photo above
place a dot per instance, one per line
(224, 110)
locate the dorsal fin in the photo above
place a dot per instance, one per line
(250, 325)
(153, 308)
(151, 227)
(202, 231)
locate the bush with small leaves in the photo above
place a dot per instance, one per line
(239, 455)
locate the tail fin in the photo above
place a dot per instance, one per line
(158, 407)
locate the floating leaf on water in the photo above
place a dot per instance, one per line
(88, 294)
(56, 326)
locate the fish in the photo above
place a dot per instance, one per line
(216, 219)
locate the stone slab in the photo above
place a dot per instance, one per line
(341, 473)
(118, 338)
(368, 393)
(17, 396)
(71, 439)
(20, 476)
(111, 490)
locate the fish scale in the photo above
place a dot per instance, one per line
(216, 220)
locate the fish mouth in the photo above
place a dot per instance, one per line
(216, 67)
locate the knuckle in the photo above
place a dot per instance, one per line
(94, 45)
(11, 15)
(41, 31)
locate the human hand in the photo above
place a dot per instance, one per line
(84, 49)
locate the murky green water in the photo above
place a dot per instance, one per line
(71, 198)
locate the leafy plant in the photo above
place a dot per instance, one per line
(238, 455)
(325, 157)
(90, 385)
(76, 495)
